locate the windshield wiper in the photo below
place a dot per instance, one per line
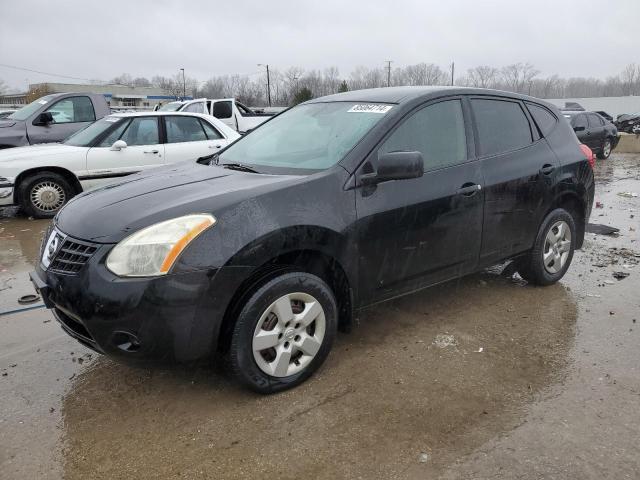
(238, 166)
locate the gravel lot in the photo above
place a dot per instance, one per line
(479, 378)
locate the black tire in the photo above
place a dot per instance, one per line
(531, 267)
(55, 181)
(244, 365)
(605, 151)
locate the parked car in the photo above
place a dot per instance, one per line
(5, 113)
(262, 250)
(42, 178)
(242, 119)
(628, 122)
(594, 131)
(51, 118)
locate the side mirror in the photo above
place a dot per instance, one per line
(118, 145)
(395, 166)
(45, 118)
(579, 129)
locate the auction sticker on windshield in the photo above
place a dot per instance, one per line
(369, 108)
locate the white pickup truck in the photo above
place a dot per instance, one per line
(228, 110)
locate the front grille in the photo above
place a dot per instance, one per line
(72, 256)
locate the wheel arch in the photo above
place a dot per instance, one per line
(67, 174)
(310, 260)
(575, 205)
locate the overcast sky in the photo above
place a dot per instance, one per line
(102, 39)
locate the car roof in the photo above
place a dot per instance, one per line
(399, 95)
(158, 112)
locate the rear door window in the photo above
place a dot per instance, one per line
(184, 129)
(212, 133)
(545, 120)
(502, 125)
(437, 131)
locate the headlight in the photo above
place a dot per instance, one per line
(153, 250)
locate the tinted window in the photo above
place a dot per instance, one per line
(594, 120)
(222, 109)
(543, 117)
(579, 121)
(436, 131)
(141, 131)
(212, 133)
(502, 126)
(184, 129)
(72, 110)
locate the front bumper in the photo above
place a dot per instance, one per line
(6, 194)
(176, 317)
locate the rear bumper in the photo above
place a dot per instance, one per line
(176, 317)
(6, 194)
(616, 139)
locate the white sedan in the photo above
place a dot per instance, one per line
(42, 178)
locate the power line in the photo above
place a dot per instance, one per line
(48, 73)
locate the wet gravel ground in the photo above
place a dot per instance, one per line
(484, 377)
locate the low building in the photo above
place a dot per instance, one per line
(119, 97)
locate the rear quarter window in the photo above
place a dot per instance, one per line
(502, 125)
(545, 120)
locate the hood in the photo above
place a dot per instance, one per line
(110, 213)
(7, 122)
(31, 151)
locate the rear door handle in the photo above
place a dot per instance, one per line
(469, 189)
(547, 169)
(152, 151)
(215, 147)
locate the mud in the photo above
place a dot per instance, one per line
(479, 378)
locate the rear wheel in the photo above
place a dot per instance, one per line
(284, 332)
(605, 151)
(552, 251)
(42, 194)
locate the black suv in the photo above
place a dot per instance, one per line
(264, 249)
(600, 135)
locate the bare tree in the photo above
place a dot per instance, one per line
(630, 77)
(3, 87)
(517, 76)
(482, 76)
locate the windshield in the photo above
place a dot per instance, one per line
(86, 136)
(307, 138)
(170, 107)
(27, 111)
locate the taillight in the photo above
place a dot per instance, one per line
(589, 154)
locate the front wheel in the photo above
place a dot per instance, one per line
(284, 332)
(552, 251)
(41, 195)
(605, 151)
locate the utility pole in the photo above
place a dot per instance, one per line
(388, 72)
(453, 68)
(268, 82)
(184, 85)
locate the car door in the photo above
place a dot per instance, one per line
(596, 131)
(518, 168)
(416, 232)
(190, 137)
(581, 127)
(69, 115)
(223, 110)
(143, 151)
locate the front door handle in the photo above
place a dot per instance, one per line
(152, 151)
(469, 189)
(215, 147)
(547, 169)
